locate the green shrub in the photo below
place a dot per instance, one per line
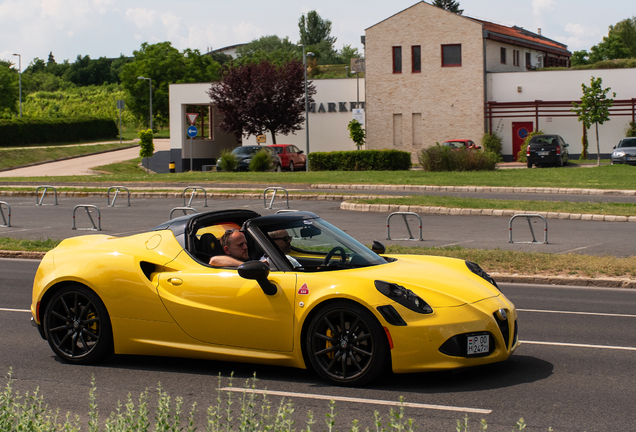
(521, 156)
(440, 158)
(356, 133)
(18, 132)
(631, 129)
(261, 161)
(227, 161)
(360, 160)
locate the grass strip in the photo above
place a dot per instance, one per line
(617, 209)
(12, 244)
(603, 177)
(11, 158)
(531, 263)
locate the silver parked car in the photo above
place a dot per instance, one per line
(625, 152)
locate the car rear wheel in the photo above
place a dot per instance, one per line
(346, 344)
(529, 164)
(77, 326)
(291, 166)
(278, 168)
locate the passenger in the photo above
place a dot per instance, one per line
(235, 247)
(283, 240)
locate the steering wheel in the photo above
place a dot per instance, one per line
(332, 252)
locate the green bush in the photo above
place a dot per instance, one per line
(18, 132)
(261, 161)
(631, 129)
(521, 156)
(360, 160)
(440, 158)
(227, 161)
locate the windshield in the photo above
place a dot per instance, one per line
(316, 245)
(627, 143)
(245, 150)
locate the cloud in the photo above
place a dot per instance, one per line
(142, 18)
(541, 6)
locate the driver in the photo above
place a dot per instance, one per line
(235, 248)
(283, 240)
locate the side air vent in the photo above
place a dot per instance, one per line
(148, 268)
(391, 315)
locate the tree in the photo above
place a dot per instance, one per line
(165, 65)
(594, 108)
(612, 47)
(8, 89)
(271, 48)
(256, 98)
(626, 31)
(315, 34)
(356, 133)
(449, 5)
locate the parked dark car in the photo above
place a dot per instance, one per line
(545, 150)
(291, 157)
(461, 144)
(244, 156)
(625, 152)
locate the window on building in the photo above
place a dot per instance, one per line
(515, 57)
(528, 60)
(452, 55)
(502, 55)
(397, 59)
(416, 58)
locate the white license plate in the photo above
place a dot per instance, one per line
(631, 158)
(543, 153)
(479, 344)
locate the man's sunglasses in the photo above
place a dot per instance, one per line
(286, 239)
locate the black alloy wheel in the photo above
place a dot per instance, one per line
(529, 164)
(346, 344)
(77, 326)
(291, 166)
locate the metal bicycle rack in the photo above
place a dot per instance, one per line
(404, 215)
(117, 189)
(46, 188)
(275, 189)
(6, 221)
(87, 207)
(184, 209)
(194, 191)
(528, 217)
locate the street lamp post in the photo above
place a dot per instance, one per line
(20, 80)
(150, 85)
(305, 54)
(357, 83)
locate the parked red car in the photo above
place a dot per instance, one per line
(291, 157)
(461, 144)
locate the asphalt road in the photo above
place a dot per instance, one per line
(574, 370)
(595, 238)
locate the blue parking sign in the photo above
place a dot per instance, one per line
(192, 131)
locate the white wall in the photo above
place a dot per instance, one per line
(562, 86)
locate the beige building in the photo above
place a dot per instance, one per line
(426, 74)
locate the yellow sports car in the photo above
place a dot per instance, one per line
(313, 297)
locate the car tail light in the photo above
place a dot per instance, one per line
(527, 151)
(558, 149)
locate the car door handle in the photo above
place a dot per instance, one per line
(175, 281)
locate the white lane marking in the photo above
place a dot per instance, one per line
(453, 244)
(14, 310)
(564, 344)
(580, 248)
(359, 400)
(29, 229)
(578, 313)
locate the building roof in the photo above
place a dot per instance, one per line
(520, 36)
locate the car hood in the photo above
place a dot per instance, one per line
(440, 281)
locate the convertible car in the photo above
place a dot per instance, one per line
(349, 312)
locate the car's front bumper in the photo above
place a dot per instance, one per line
(434, 342)
(627, 159)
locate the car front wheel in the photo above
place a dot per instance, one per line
(346, 345)
(291, 166)
(77, 326)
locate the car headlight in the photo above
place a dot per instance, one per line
(473, 267)
(619, 154)
(403, 296)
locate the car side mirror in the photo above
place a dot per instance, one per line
(614, 147)
(258, 271)
(301, 152)
(378, 247)
(567, 145)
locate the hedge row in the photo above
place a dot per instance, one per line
(19, 132)
(440, 158)
(360, 160)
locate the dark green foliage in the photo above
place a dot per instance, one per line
(19, 132)
(449, 5)
(8, 90)
(271, 48)
(360, 160)
(315, 34)
(626, 31)
(261, 161)
(356, 133)
(631, 129)
(440, 158)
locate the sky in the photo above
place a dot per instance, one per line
(109, 28)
